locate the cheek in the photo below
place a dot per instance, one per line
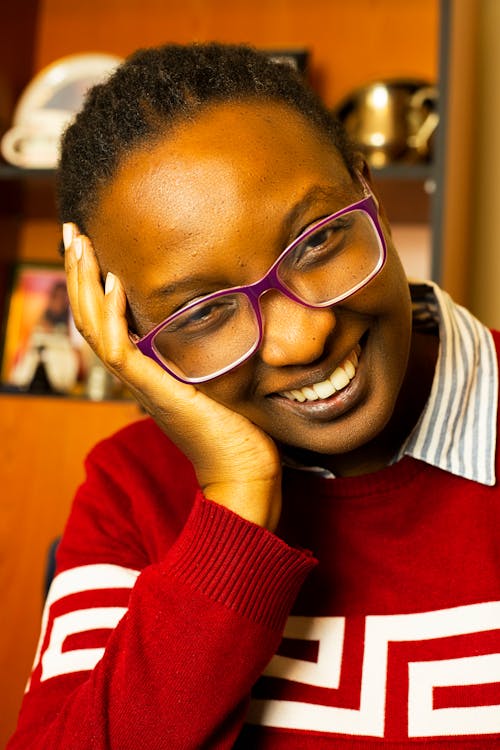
(393, 342)
(234, 389)
(387, 302)
(387, 297)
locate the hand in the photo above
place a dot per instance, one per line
(237, 465)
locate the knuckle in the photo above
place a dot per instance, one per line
(115, 358)
(87, 333)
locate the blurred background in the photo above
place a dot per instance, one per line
(417, 84)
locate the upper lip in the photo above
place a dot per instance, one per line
(316, 376)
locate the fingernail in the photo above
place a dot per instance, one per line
(68, 232)
(109, 283)
(78, 247)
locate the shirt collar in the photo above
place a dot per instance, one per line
(457, 429)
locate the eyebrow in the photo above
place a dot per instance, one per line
(188, 283)
(313, 195)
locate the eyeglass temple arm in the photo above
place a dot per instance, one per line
(368, 193)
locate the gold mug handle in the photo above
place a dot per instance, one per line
(421, 132)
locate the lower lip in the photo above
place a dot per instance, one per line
(333, 407)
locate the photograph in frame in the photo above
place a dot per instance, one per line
(39, 336)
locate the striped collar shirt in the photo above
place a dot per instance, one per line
(457, 429)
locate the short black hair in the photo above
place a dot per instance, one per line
(156, 88)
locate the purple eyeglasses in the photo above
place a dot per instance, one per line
(326, 264)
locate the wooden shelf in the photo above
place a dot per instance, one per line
(396, 171)
(405, 171)
(9, 172)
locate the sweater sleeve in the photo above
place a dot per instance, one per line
(165, 655)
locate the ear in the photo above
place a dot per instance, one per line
(361, 166)
(364, 170)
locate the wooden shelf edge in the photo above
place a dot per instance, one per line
(10, 172)
(396, 171)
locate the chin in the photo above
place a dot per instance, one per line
(343, 435)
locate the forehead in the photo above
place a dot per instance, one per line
(231, 169)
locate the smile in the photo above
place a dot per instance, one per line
(340, 377)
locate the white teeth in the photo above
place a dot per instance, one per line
(310, 393)
(349, 368)
(341, 376)
(324, 389)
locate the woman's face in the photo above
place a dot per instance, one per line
(211, 206)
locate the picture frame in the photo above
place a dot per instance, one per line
(38, 341)
(297, 58)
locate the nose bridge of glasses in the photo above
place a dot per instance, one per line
(271, 282)
(281, 309)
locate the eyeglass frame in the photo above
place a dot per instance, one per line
(368, 204)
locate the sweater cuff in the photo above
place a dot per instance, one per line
(239, 564)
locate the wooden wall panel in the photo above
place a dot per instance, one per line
(44, 442)
(460, 187)
(484, 188)
(18, 31)
(351, 42)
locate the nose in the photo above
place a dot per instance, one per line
(293, 333)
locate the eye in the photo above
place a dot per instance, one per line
(324, 243)
(204, 317)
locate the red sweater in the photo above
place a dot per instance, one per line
(392, 639)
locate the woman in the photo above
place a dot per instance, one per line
(298, 549)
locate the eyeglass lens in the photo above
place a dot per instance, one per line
(323, 267)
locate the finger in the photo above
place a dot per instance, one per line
(70, 232)
(90, 294)
(116, 343)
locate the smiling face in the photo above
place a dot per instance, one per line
(211, 206)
